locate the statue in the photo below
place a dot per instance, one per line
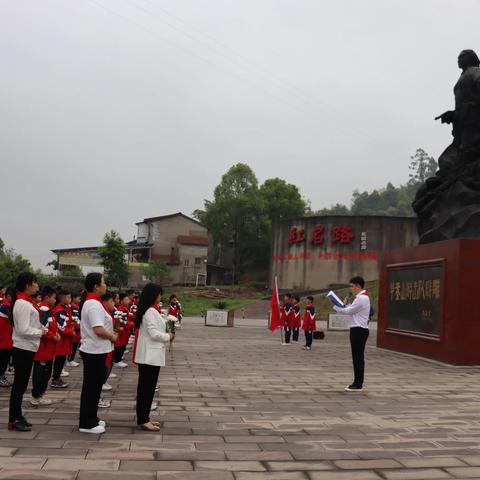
(448, 204)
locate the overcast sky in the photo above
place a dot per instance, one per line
(116, 110)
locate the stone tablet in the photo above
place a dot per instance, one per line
(217, 318)
(414, 298)
(337, 321)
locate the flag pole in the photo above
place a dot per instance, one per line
(281, 326)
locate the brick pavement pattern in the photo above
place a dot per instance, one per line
(236, 405)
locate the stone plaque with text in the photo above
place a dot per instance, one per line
(414, 298)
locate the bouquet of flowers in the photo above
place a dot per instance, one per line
(170, 327)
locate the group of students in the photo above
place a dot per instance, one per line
(292, 320)
(40, 334)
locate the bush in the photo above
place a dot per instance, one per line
(221, 305)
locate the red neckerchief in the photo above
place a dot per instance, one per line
(94, 296)
(157, 308)
(7, 303)
(27, 298)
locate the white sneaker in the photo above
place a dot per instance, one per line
(102, 423)
(98, 429)
(153, 406)
(106, 387)
(72, 364)
(285, 344)
(36, 402)
(64, 373)
(102, 403)
(112, 375)
(121, 365)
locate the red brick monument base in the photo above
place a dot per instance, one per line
(429, 301)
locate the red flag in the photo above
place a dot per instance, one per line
(275, 317)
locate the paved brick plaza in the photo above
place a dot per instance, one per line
(236, 405)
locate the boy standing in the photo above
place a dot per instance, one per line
(297, 319)
(74, 307)
(43, 360)
(309, 323)
(63, 316)
(287, 313)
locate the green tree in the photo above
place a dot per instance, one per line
(281, 199)
(337, 209)
(422, 166)
(232, 216)
(113, 253)
(11, 264)
(156, 272)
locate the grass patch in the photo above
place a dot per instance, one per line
(195, 301)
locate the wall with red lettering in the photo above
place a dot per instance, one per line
(315, 252)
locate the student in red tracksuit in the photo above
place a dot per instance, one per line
(126, 324)
(6, 330)
(287, 315)
(43, 360)
(297, 318)
(63, 316)
(174, 308)
(309, 323)
(76, 328)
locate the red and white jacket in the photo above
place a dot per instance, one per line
(64, 319)
(46, 350)
(297, 317)
(6, 328)
(310, 319)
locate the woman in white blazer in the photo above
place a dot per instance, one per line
(149, 353)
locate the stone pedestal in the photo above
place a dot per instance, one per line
(429, 301)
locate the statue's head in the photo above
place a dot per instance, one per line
(468, 58)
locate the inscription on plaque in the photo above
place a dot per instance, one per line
(217, 318)
(414, 298)
(337, 321)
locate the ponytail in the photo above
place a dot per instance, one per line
(92, 280)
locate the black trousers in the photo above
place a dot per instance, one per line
(296, 332)
(147, 381)
(358, 339)
(71, 357)
(58, 365)
(22, 362)
(94, 367)
(42, 371)
(119, 352)
(287, 332)
(308, 338)
(4, 359)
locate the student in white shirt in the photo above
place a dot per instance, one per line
(359, 310)
(98, 337)
(27, 331)
(149, 353)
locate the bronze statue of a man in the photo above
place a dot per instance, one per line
(466, 116)
(448, 204)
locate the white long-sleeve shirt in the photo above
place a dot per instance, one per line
(359, 310)
(27, 329)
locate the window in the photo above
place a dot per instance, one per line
(186, 262)
(198, 261)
